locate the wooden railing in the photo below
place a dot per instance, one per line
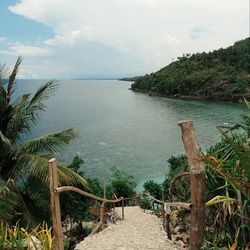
(197, 205)
(55, 203)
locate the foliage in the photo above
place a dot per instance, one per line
(74, 205)
(122, 184)
(228, 181)
(16, 237)
(25, 163)
(153, 188)
(181, 190)
(228, 187)
(222, 74)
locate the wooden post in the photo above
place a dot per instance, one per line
(168, 224)
(162, 209)
(197, 178)
(104, 197)
(113, 204)
(166, 217)
(55, 205)
(123, 208)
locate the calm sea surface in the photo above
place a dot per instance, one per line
(127, 130)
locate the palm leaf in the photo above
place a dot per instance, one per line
(17, 122)
(220, 199)
(12, 78)
(50, 143)
(9, 200)
(237, 183)
(3, 73)
(37, 166)
(5, 141)
(36, 104)
(241, 152)
(68, 176)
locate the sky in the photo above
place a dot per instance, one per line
(70, 39)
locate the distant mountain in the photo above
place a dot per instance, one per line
(130, 79)
(223, 74)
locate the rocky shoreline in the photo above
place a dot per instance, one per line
(235, 99)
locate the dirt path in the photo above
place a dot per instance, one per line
(138, 231)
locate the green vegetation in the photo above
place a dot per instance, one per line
(16, 237)
(227, 184)
(121, 184)
(228, 188)
(76, 206)
(24, 191)
(223, 74)
(130, 79)
(153, 188)
(24, 164)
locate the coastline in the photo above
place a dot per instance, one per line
(238, 99)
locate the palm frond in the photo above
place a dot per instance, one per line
(242, 153)
(36, 104)
(17, 123)
(69, 177)
(37, 166)
(2, 97)
(3, 74)
(4, 141)
(12, 78)
(50, 143)
(9, 200)
(31, 164)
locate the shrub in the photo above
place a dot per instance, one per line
(122, 184)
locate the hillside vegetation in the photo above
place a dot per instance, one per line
(223, 74)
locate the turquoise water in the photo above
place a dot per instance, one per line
(127, 130)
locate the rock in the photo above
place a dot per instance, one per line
(33, 243)
(88, 224)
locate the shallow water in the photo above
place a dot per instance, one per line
(127, 130)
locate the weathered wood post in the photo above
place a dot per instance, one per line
(197, 178)
(104, 197)
(162, 210)
(113, 204)
(122, 208)
(55, 205)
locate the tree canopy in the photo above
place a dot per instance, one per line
(223, 74)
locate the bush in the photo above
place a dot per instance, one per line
(177, 165)
(122, 184)
(74, 205)
(153, 188)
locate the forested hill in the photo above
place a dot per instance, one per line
(223, 74)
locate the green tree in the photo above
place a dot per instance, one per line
(153, 188)
(122, 184)
(22, 160)
(74, 205)
(222, 74)
(181, 190)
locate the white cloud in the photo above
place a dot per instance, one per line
(2, 39)
(153, 31)
(25, 50)
(68, 39)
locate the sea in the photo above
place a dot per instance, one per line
(119, 128)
